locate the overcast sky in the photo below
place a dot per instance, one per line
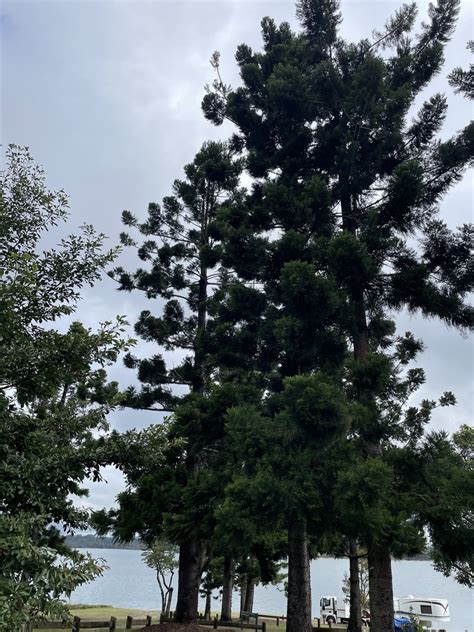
(107, 96)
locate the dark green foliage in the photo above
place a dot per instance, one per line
(343, 224)
(447, 483)
(316, 405)
(463, 80)
(346, 131)
(182, 253)
(339, 229)
(320, 19)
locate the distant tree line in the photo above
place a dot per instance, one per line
(91, 541)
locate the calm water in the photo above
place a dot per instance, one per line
(130, 583)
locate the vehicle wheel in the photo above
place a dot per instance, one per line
(330, 620)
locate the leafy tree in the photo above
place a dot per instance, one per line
(285, 312)
(322, 115)
(283, 334)
(211, 581)
(279, 476)
(37, 287)
(447, 484)
(163, 498)
(54, 397)
(183, 255)
(377, 495)
(247, 577)
(162, 557)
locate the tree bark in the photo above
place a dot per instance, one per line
(189, 578)
(299, 580)
(355, 617)
(249, 594)
(243, 593)
(169, 598)
(207, 608)
(162, 592)
(227, 587)
(380, 588)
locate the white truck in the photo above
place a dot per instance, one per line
(336, 610)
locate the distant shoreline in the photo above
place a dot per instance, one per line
(90, 541)
(95, 542)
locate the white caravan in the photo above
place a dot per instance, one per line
(429, 611)
(336, 610)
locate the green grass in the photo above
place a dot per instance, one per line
(105, 612)
(86, 606)
(102, 612)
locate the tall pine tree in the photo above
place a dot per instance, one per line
(182, 255)
(313, 107)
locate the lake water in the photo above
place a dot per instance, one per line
(130, 583)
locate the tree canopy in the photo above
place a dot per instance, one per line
(54, 396)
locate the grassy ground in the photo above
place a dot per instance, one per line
(105, 612)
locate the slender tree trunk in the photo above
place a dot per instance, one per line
(162, 592)
(355, 618)
(380, 588)
(207, 608)
(249, 594)
(243, 593)
(189, 578)
(299, 580)
(227, 587)
(169, 598)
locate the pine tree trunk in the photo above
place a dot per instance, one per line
(249, 594)
(190, 553)
(380, 588)
(299, 580)
(243, 593)
(227, 587)
(189, 578)
(207, 609)
(380, 570)
(355, 617)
